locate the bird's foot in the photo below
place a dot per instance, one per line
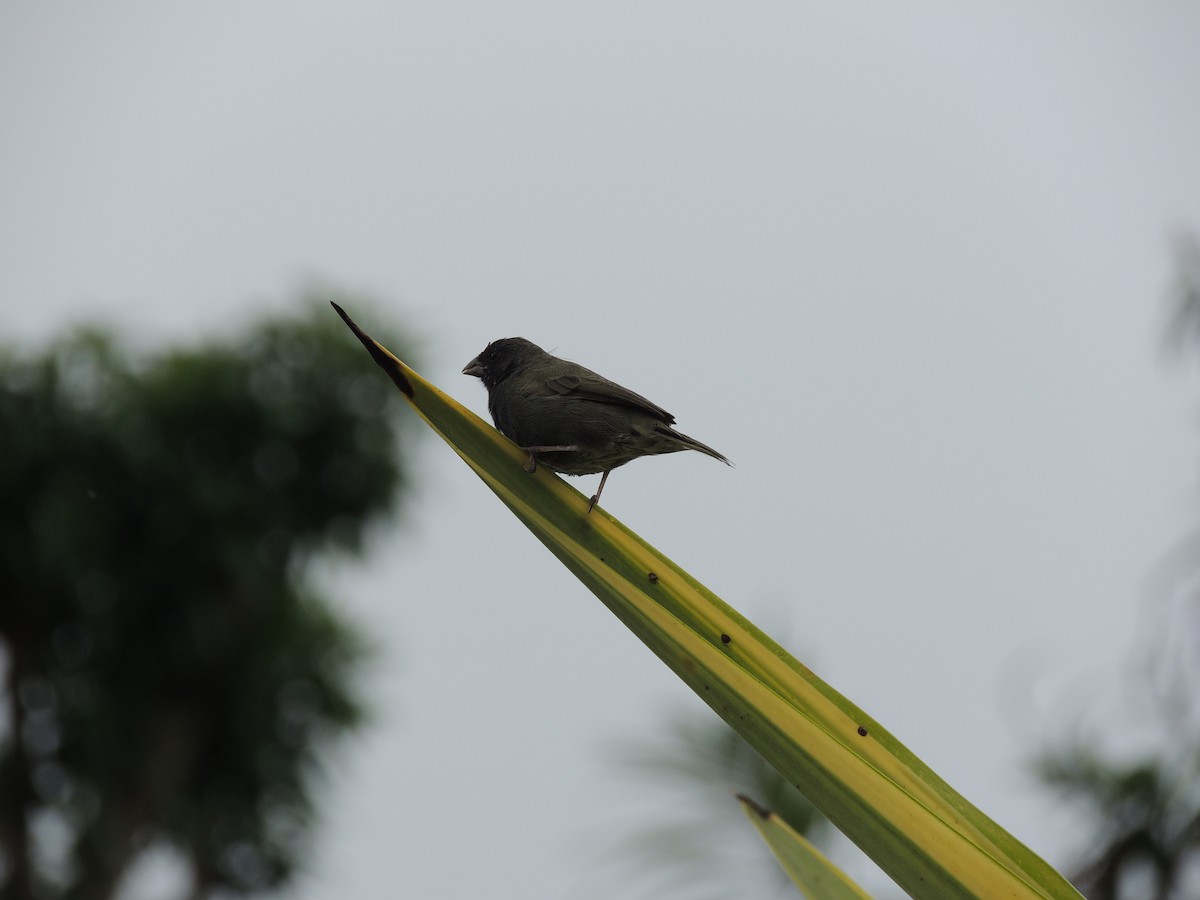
(596, 497)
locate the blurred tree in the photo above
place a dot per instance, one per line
(706, 849)
(1144, 812)
(170, 675)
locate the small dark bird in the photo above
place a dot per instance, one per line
(568, 418)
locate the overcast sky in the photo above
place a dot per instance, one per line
(906, 266)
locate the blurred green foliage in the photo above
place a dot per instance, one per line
(1144, 817)
(697, 844)
(170, 674)
(1142, 809)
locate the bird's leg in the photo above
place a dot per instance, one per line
(596, 499)
(531, 466)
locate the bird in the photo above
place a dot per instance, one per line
(568, 418)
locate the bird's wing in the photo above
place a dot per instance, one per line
(587, 385)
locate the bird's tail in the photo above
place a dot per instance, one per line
(690, 443)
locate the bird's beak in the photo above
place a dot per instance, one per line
(474, 367)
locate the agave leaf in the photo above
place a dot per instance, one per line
(917, 828)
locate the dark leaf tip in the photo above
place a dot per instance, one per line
(384, 361)
(760, 810)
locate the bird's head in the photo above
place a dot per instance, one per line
(501, 358)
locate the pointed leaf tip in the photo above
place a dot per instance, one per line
(358, 332)
(758, 808)
(382, 358)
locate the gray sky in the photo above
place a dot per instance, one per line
(906, 267)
